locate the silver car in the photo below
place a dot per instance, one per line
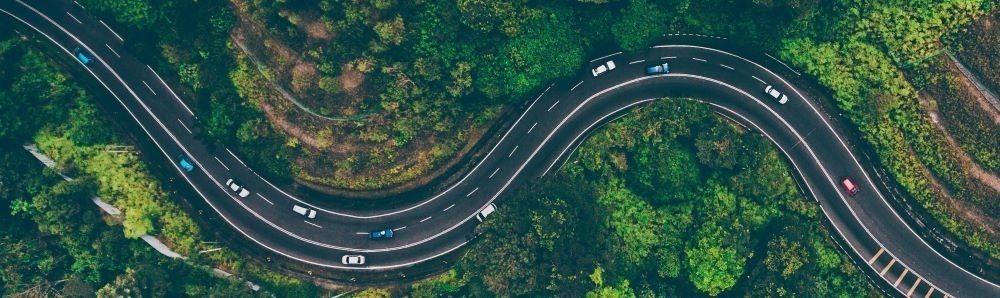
(606, 67)
(353, 260)
(239, 190)
(782, 99)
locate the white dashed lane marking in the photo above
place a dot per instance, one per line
(637, 61)
(698, 59)
(148, 87)
(315, 225)
(472, 192)
(669, 57)
(552, 106)
(577, 85)
(727, 66)
(494, 172)
(758, 79)
(512, 151)
(532, 127)
(185, 126)
(220, 162)
(425, 219)
(449, 207)
(113, 51)
(112, 31)
(74, 18)
(265, 199)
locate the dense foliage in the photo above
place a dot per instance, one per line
(54, 240)
(598, 229)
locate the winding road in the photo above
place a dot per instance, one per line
(546, 131)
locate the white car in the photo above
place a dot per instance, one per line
(310, 213)
(353, 260)
(607, 66)
(782, 99)
(239, 190)
(486, 212)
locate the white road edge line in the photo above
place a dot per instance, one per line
(574, 86)
(727, 66)
(425, 219)
(783, 63)
(220, 162)
(112, 30)
(148, 87)
(494, 173)
(169, 89)
(263, 198)
(512, 151)
(472, 192)
(592, 61)
(185, 126)
(532, 127)
(552, 106)
(315, 225)
(237, 158)
(636, 61)
(113, 51)
(74, 18)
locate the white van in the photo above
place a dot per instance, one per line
(486, 212)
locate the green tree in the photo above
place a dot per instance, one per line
(641, 23)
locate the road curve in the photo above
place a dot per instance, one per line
(546, 131)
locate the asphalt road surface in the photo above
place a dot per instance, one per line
(546, 131)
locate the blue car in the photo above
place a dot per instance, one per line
(658, 69)
(83, 56)
(185, 163)
(380, 234)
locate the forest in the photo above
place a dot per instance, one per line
(402, 88)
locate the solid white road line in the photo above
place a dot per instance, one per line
(637, 61)
(727, 66)
(532, 127)
(574, 86)
(425, 219)
(112, 31)
(698, 59)
(494, 173)
(592, 61)
(759, 80)
(472, 192)
(150, 88)
(113, 51)
(169, 89)
(265, 199)
(449, 207)
(783, 63)
(185, 126)
(512, 151)
(552, 106)
(237, 158)
(315, 225)
(220, 162)
(74, 18)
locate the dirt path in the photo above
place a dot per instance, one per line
(967, 163)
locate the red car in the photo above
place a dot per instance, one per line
(849, 186)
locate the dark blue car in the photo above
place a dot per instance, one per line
(380, 234)
(83, 56)
(185, 163)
